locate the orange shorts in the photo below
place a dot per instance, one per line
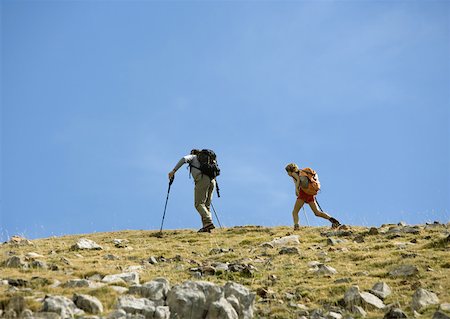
(305, 197)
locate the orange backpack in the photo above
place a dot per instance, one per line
(314, 184)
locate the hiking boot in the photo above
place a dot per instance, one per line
(296, 227)
(207, 228)
(334, 222)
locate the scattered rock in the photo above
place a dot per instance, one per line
(82, 283)
(16, 304)
(88, 303)
(326, 270)
(221, 309)
(216, 251)
(33, 255)
(404, 271)
(86, 244)
(445, 307)
(423, 298)
(121, 243)
(155, 290)
(343, 280)
(197, 298)
(353, 297)
(359, 239)
(38, 264)
(15, 262)
(110, 257)
(131, 278)
(381, 290)
(358, 311)
(19, 241)
(62, 306)
(283, 241)
(289, 251)
(395, 313)
(334, 241)
(132, 305)
(440, 315)
(18, 282)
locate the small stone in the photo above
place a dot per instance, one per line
(326, 270)
(440, 315)
(289, 251)
(86, 244)
(359, 311)
(445, 307)
(395, 313)
(359, 239)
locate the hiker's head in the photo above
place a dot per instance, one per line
(195, 151)
(291, 168)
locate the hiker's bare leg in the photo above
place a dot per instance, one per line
(317, 212)
(298, 205)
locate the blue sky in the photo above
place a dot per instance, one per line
(100, 99)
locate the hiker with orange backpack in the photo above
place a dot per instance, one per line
(307, 186)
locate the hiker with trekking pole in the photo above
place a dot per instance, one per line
(307, 186)
(204, 170)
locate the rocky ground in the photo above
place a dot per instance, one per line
(394, 271)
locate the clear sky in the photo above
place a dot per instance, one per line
(100, 99)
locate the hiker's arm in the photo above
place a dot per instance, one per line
(181, 162)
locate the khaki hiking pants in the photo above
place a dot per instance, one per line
(203, 193)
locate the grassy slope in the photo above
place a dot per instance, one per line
(376, 256)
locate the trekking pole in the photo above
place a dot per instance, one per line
(217, 189)
(306, 216)
(217, 217)
(165, 206)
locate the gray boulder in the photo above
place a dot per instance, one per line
(15, 262)
(155, 290)
(381, 290)
(86, 244)
(139, 306)
(423, 298)
(162, 312)
(353, 297)
(81, 283)
(283, 241)
(326, 270)
(117, 314)
(192, 299)
(62, 306)
(88, 303)
(404, 271)
(221, 309)
(131, 278)
(241, 298)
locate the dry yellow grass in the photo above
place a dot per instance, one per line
(363, 264)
